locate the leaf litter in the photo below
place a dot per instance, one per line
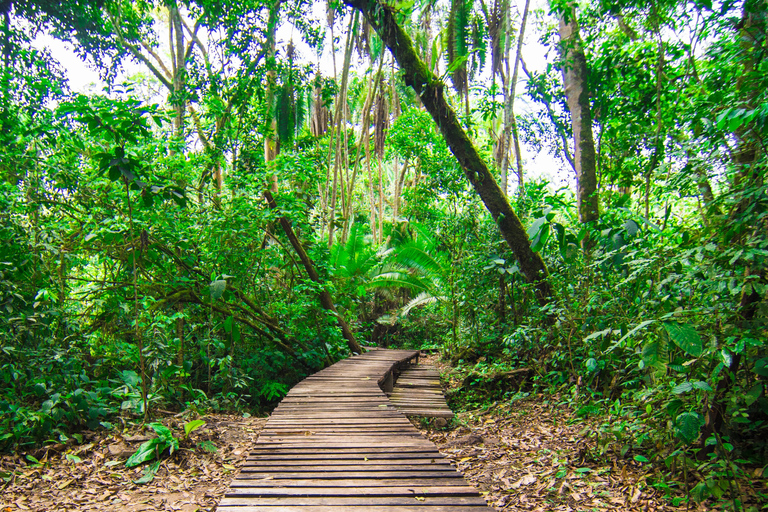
(535, 455)
(92, 477)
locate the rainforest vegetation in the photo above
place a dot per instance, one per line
(253, 190)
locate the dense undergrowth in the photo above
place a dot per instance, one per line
(209, 252)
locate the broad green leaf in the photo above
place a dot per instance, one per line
(761, 367)
(191, 426)
(149, 474)
(540, 239)
(533, 230)
(146, 452)
(592, 365)
(632, 227)
(753, 394)
(162, 431)
(685, 337)
(639, 326)
(597, 334)
(687, 426)
(682, 388)
(700, 384)
(673, 406)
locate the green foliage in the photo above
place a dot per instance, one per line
(139, 259)
(153, 448)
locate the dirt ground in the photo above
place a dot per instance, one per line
(92, 477)
(531, 456)
(524, 456)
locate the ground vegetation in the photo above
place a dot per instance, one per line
(257, 189)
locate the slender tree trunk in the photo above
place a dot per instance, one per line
(399, 180)
(504, 138)
(511, 134)
(340, 130)
(270, 142)
(325, 298)
(365, 140)
(179, 67)
(577, 95)
(362, 143)
(381, 200)
(430, 89)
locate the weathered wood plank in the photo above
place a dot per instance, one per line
(336, 442)
(421, 507)
(396, 491)
(341, 501)
(417, 392)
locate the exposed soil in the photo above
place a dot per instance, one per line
(526, 456)
(94, 477)
(532, 456)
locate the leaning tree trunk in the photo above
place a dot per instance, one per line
(577, 97)
(325, 298)
(429, 87)
(270, 152)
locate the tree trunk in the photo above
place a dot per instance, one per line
(511, 135)
(309, 267)
(340, 129)
(430, 89)
(577, 97)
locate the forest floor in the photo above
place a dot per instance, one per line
(525, 456)
(92, 477)
(531, 455)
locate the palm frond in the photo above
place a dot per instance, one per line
(395, 279)
(420, 300)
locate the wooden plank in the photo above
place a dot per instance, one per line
(343, 501)
(399, 490)
(356, 465)
(422, 507)
(321, 485)
(273, 451)
(417, 392)
(346, 474)
(336, 442)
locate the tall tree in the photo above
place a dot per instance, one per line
(574, 69)
(430, 89)
(511, 135)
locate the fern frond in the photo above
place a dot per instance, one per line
(420, 300)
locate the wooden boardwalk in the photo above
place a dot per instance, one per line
(335, 442)
(417, 392)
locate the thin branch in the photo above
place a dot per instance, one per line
(157, 58)
(553, 118)
(138, 55)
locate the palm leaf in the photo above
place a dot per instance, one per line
(395, 279)
(420, 300)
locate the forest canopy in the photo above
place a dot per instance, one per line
(256, 189)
